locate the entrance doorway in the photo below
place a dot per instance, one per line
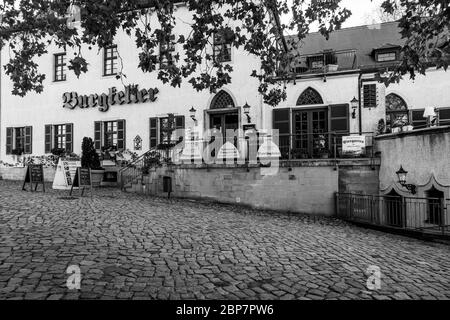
(435, 210)
(394, 210)
(310, 128)
(224, 122)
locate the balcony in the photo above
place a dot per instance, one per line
(325, 62)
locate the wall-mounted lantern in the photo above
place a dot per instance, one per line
(401, 174)
(246, 108)
(192, 113)
(354, 104)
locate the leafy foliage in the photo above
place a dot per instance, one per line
(30, 26)
(89, 157)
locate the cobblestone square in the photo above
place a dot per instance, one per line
(134, 247)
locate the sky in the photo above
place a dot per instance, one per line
(362, 12)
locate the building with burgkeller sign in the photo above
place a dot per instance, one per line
(334, 92)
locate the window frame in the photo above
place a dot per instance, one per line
(114, 133)
(383, 52)
(22, 138)
(219, 41)
(166, 50)
(59, 66)
(110, 59)
(56, 136)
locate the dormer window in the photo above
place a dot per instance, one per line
(386, 53)
(386, 56)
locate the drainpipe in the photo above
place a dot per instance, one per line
(359, 107)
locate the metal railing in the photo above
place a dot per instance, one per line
(141, 166)
(428, 215)
(320, 145)
(326, 62)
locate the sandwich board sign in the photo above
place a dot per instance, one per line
(65, 172)
(82, 180)
(34, 174)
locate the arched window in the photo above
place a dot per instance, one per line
(222, 100)
(396, 111)
(309, 96)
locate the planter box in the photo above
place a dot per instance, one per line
(332, 67)
(18, 174)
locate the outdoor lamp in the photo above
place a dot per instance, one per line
(246, 108)
(401, 174)
(192, 113)
(354, 103)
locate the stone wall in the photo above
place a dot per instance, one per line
(304, 187)
(423, 153)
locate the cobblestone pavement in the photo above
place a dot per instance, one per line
(130, 246)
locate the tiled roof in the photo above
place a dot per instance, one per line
(362, 39)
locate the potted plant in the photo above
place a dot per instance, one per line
(90, 159)
(407, 127)
(381, 127)
(18, 152)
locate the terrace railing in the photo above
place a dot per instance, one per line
(427, 215)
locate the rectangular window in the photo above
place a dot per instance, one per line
(60, 67)
(165, 126)
(166, 51)
(19, 135)
(222, 48)
(159, 133)
(109, 134)
(387, 56)
(370, 96)
(19, 140)
(59, 136)
(110, 61)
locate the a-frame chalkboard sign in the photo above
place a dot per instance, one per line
(82, 180)
(35, 174)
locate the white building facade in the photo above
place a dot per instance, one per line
(330, 74)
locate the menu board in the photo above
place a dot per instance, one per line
(82, 180)
(65, 173)
(34, 174)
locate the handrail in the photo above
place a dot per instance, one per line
(136, 169)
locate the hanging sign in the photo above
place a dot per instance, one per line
(34, 174)
(353, 145)
(130, 95)
(65, 172)
(82, 180)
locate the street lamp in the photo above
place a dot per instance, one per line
(192, 112)
(401, 174)
(355, 104)
(246, 108)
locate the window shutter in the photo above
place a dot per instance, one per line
(153, 132)
(28, 145)
(48, 138)
(282, 123)
(121, 137)
(98, 135)
(339, 122)
(69, 137)
(370, 96)
(9, 140)
(417, 119)
(179, 125)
